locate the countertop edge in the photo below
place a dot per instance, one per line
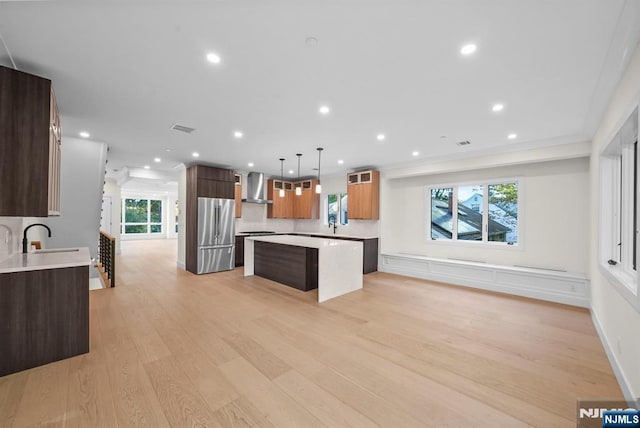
(20, 262)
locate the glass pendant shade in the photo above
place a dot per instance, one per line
(318, 188)
(281, 177)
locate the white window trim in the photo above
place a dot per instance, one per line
(624, 280)
(518, 246)
(149, 223)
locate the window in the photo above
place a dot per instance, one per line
(619, 209)
(141, 216)
(484, 212)
(337, 209)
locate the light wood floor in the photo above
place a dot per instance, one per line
(173, 349)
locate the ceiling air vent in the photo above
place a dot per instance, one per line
(463, 143)
(182, 128)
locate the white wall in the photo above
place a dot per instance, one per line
(81, 183)
(112, 189)
(619, 321)
(554, 216)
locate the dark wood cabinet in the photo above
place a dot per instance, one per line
(291, 265)
(30, 139)
(215, 189)
(240, 250)
(208, 182)
(44, 317)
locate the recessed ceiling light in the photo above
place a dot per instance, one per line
(84, 134)
(468, 49)
(147, 167)
(195, 154)
(415, 153)
(497, 107)
(324, 109)
(250, 164)
(213, 58)
(340, 161)
(157, 160)
(291, 171)
(380, 137)
(167, 150)
(512, 136)
(238, 134)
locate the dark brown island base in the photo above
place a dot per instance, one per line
(370, 247)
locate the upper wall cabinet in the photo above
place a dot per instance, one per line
(30, 143)
(307, 205)
(363, 189)
(304, 206)
(282, 207)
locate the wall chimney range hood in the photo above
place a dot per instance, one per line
(256, 187)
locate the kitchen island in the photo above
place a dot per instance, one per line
(332, 266)
(44, 307)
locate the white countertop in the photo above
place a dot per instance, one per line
(303, 241)
(45, 260)
(338, 235)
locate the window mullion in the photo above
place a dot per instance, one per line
(485, 212)
(454, 214)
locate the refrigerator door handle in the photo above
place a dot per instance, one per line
(218, 226)
(215, 247)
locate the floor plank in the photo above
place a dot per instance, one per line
(169, 348)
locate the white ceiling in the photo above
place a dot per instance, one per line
(126, 71)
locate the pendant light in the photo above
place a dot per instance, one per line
(299, 188)
(282, 177)
(318, 186)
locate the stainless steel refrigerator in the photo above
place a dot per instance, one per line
(216, 234)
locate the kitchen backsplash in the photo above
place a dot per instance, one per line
(10, 236)
(357, 228)
(254, 218)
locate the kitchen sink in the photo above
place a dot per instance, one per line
(57, 250)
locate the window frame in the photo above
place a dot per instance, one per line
(518, 246)
(339, 196)
(618, 188)
(148, 223)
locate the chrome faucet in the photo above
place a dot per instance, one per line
(24, 236)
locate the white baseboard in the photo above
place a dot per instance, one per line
(613, 360)
(180, 264)
(553, 286)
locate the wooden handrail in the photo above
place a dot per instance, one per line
(107, 255)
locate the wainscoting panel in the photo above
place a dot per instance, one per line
(550, 285)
